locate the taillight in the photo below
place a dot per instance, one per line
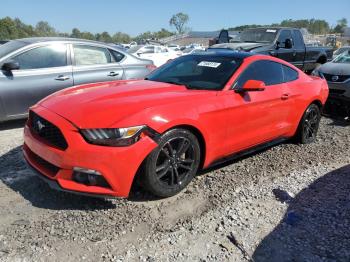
(151, 67)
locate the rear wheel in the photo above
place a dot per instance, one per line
(308, 126)
(173, 164)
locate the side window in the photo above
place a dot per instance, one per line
(298, 39)
(148, 50)
(285, 34)
(267, 71)
(90, 55)
(43, 57)
(289, 74)
(117, 57)
(158, 49)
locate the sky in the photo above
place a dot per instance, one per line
(137, 16)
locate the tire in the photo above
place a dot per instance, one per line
(309, 124)
(166, 170)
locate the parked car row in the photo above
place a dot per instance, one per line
(158, 54)
(158, 126)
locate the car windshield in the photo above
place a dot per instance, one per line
(341, 50)
(343, 58)
(11, 46)
(259, 35)
(202, 72)
(187, 50)
(134, 49)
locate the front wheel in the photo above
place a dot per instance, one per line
(309, 124)
(173, 164)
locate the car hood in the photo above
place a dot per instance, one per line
(92, 105)
(335, 68)
(239, 46)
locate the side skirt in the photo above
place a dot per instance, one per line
(246, 152)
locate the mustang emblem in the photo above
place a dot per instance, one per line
(39, 125)
(335, 78)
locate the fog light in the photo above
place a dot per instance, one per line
(89, 177)
(86, 171)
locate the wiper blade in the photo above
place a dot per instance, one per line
(175, 83)
(189, 86)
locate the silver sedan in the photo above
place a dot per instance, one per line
(33, 68)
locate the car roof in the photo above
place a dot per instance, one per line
(32, 40)
(226, 52)
(273, 27)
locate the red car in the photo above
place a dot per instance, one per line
(189, 114)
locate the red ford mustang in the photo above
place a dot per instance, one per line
(189, 114)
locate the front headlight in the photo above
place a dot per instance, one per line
(113, 136)
(316, 72)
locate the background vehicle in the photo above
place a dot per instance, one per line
(33, 68)
(158, 54)
(337, 74)
(3, 42)
(192, 50)
(174, 47)
(193, 112)
(284, 43)
(341, 50)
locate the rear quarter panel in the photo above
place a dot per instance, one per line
(306, 91)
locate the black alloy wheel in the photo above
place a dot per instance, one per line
(309, 125)
(173, 164)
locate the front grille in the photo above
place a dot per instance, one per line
(341, 78)
(50, 169)
(47, 131)
(336, 91)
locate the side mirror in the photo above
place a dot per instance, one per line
(10, 65)
(288, 43)
(253, 85)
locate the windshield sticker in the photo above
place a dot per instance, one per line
(270, 31)
(209, 64)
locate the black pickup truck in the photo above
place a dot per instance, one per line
(285, 43)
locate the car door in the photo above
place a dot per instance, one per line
(283, 51)
(258, 116)
(294, 94)
(44, 69)
(299, 49)
(94, 64)
(147, 52)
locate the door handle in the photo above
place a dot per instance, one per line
(113, 74)
(285, 96)
(62, 78)
(294, 53)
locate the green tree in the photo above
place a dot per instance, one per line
(8, 29)
(341, 24)
(43, 28)
(179, 21)
(76, 33)
(104, 37)
(163, 33)
(87, 35)
(120, 37)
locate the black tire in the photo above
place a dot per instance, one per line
(309, 124)
(167, 171)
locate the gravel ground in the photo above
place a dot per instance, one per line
(288, 203)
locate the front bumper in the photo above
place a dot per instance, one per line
(338, 102)
(118, 165)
